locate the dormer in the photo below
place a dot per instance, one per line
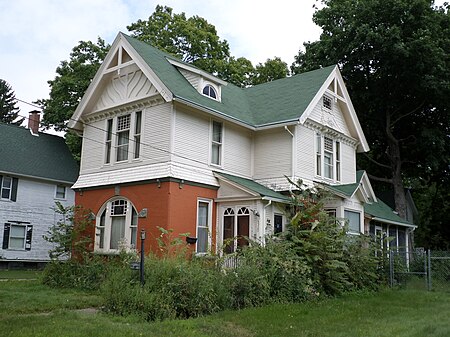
(206, 84)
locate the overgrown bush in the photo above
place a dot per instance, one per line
(75, 274)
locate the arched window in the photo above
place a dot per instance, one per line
(209, 91)
(116, 226)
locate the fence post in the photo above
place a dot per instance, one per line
(429, 270)
(391, 268)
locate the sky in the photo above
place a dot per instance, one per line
(36, 35)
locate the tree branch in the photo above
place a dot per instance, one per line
(377, 163)
(407, 114)
(383, 180)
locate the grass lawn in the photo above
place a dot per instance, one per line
(28, 308)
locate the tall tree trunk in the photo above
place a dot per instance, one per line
(395, 159)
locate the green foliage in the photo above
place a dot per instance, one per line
(9, 112)
(67, 234)
(272, 69)
(174, 288)
(393, 55)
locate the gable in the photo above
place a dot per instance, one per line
(122, 78)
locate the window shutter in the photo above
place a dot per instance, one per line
(28, 237)
(1, 177)
(6, 236)
(15, 182)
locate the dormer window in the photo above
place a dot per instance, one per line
(209, 91)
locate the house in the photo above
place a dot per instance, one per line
(36, 170)
(166, 144)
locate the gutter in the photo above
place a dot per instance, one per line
(394, 222)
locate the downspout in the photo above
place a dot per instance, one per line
(293, 154)
(263, 227)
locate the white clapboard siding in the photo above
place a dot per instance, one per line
(93, 148)
(305, 169)
(156, 133)
(237, 148)
(192, 78)
(348, 164)
(334, 119)
(191, 138)
(273, 154)
(34, 205)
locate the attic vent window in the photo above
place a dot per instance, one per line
(327, 102)
(209, 91)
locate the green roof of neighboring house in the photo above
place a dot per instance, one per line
(382, 211)
(270, 103)
(44, 156)
(255, 187)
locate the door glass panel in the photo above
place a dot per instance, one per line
(228, 233)
(243, 230)
(117, 231)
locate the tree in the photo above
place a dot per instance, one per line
(72, 79)
(193, 39)
(9, 112)
(272, 69)
(393, 55)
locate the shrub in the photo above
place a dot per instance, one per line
(174, 288)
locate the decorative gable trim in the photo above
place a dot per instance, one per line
(197, 71)
(127, 76)
(339, 92)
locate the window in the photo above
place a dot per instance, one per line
(108, 141)
(137, 134)
(236, 229)
(277, 223)
(128, 128)
(216, 144)
(203, 225)
(116, 226)
(209, 91)
(123, 137)
(60, 192)
(327, 102)
(353, 221)
(328, 157)
(17, 236)
(8, 188)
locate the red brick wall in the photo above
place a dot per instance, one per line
(168, 206)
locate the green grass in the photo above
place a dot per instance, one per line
(28, 308)
(19, 274)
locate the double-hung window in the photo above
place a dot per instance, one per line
(120, 132)
(60, 192)
(353, 220)
(216, 143)
(17, 236)
(204, 218)
(8, 188)
(328, 158)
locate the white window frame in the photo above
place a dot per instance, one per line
(237, 212)
(218, 144)
(327, 102)
(131, 225)
(64, 197)
(208, 226)
(134, 139)
(204, 83)
(347, 219)
(25, 227)
(3, 187)
(321, 153)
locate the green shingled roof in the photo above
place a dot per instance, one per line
(45, 157)
(255, 187)
(382, 211)
(274, 102)
(347, 189)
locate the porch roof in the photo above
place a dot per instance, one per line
(261, 190)
(383, 213)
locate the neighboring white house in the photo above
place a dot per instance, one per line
(167, 144)
(36, 170)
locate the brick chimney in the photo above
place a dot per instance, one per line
(33, 121)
